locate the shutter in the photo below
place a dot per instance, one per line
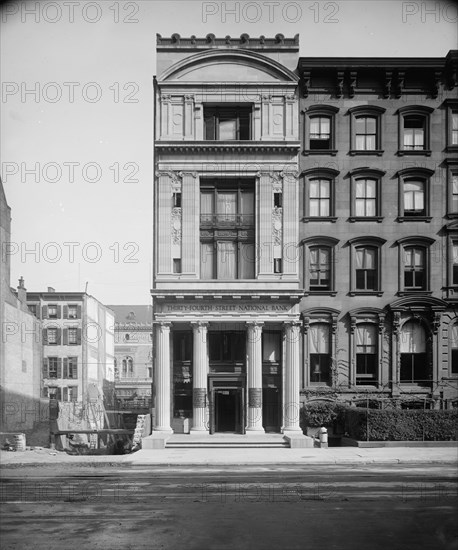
(58, 308)
(59, 367)
(65, 367)
(65, 394)
(45, 391)
(44, 312)
(59, 394)
(75, 369)
(38, 313)
(78, 312)
(65, 312)
(78, 337)
(45, 337)
(45, 367)
(58, 336)
(65, 336)
(75, 393)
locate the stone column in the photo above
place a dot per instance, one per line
(199, 376)
(291, 406)
(254, 369)
(162, 378)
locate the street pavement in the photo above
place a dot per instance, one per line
(240, 456)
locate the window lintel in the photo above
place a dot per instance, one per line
(366, 171)
(320, 240)
(420, 110)
(370, 240)
(329, 110)
(317, 172)
(415, 240)
(371, 110)
(415, 171)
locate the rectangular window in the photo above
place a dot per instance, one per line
(226, 346)
(414, 269)
(228, 122)
(72, 336)
(320, 132)
(227, 231)
(277, 200)
(454, 127)
(53, 363)
(320, 197)
(366, 354)
(177, 265)
(414, 133)
(277, 265)
(365, 199)
(72, 367)
(182, 346)
(52, 312)
(366, 133)
(72, 312)
(414, 198)
(366, 269)
(176, 200)
(454, 205)
(52, 336)
(271, 347)
(320, 356)
(320, 268)
(455, 264)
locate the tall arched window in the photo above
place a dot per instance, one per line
(124, 367)
(414, 357)
(130, 366)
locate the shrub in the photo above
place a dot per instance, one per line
(319, 413)
(401, 424)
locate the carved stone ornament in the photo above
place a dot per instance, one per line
(176, 225)
(277, 216)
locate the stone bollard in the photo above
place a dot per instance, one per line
(323, 435)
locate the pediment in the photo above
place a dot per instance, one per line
(222, 66)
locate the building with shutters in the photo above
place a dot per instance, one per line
(305, 237)
(78, 346)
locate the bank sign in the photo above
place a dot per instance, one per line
(230, 309)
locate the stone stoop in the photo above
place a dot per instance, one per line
(224, 441)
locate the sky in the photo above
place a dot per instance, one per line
(76, 118)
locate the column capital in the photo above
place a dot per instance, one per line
(255, 323)
(198, 324)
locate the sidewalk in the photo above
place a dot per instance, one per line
(238, 457)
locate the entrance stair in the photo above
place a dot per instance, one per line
(226, 440)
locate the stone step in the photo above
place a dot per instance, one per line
(226, 445)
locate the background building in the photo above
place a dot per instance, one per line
(22, 409)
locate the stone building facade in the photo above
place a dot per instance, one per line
(304, 233)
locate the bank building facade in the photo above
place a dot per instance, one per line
(251, 315)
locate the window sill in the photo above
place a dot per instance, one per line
(320, 293)
(452, 215)
(374, 152)
(414, 293)
(423, 152)
(452, 149)
(366, 293)
(331, 219)
(402, 219)
(377, 219)
(307, 152)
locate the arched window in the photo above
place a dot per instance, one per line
(130, 366)
(366, 129)
(124, 367)
(414, 194)
(319, 262)
(414, 264)
(414, 132)
(319, 194)
(320, 129)
(414, 357)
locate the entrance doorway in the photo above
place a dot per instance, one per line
(227, 405)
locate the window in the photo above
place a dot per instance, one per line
(455, 263)
(52, 336)
(414, 200)
(53, 393)
(414, 261)
(320, 197)
(320, 354)
(71, 367)
(365, 265)
(366, 268)
(319, 194)
(52, 368)
(453, 344)
(124, 367)
(278, 265)
(72, 335)
(414, 268)
(452, 179)
(365, 195)
(130, 366)
(366, 354)
(227, 347)
(320, 128)
(72, 312)
(33, 309)
(271, 346)
(319, 264)
(366, 133)
(414, 135)
(320, 132)
(177, 265)
(227, 230)
(52, 312)
(227, 122)
(176, 200)
(320, 268)
(452, 125)
(278, 200)
(414, 358)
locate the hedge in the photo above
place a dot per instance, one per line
(320, 413)
(401, 424)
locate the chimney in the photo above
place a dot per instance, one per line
(51, 289)
(22, 291)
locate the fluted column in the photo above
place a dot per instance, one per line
(199, 376)
(254, 368)
(292, 377)
(162, 378)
